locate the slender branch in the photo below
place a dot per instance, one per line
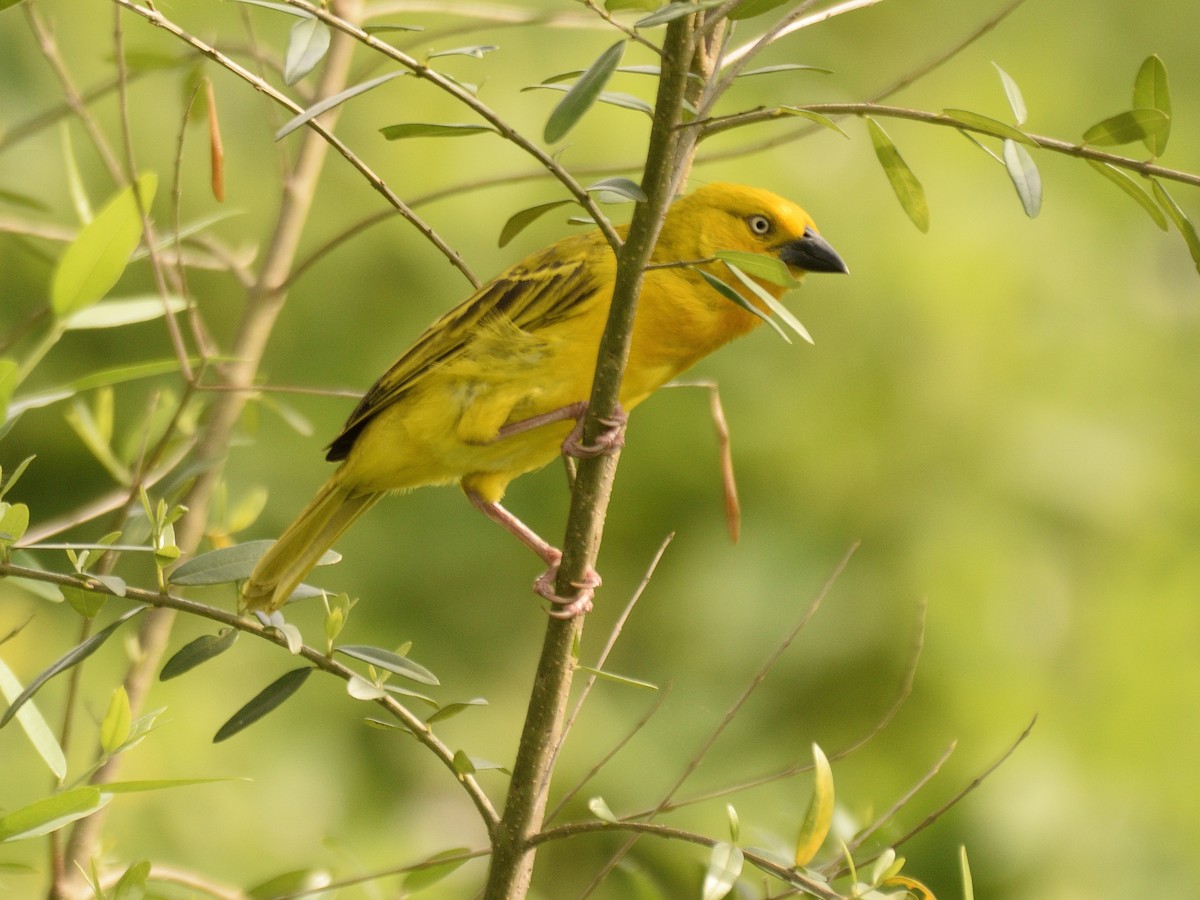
(1081, 151)
(811, 886)
(317, 658)
(469, 100)
(154, 17)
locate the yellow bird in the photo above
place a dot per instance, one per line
(493, 388)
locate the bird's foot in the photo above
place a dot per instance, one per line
(607, 442)
(567, 607)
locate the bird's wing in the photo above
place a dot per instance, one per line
(548, 289)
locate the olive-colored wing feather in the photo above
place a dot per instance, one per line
(545, 290)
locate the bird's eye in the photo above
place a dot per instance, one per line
(759, 224)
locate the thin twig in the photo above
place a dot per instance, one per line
(590, 682)
(730, 714)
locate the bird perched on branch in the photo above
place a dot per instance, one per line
(495, 387)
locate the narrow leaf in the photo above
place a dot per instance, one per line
(264, 702)
(521, 220)
(904, 182)
(724, 869)
(772, 304)
(601, 811)
(1013, 93)
(967, 882)
(785, 67)
(1179, 217)
(391, 662)
(1150, 91)
(231, 564)
(623, 187)
(114, 727)
(427, 129)
(1127, 127)
(730, 294)
(278, 7)
(307, 43)
(197, 651)
(1126, 182)
(330, 102)
(298, 882)
(132, 884)
(128, 311)
(434, 869)
(819, 817)
(77, 655)
(94, 261)
(617, 679)
(478, 51)
(35, 727)
(1025, 176)
(987, 125)
(453, 709)
(51, 813)
(583, 94)
(768, 268)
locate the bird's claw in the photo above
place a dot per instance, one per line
(607, 442)
(567, 607)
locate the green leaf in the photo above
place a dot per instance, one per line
(522, 219)
(768, 268)
(673, 11)
(197, 651)
(114, 727)
(434, 869)
(601, 811)
(330, 102)
(75, 656)
(968, 884)
(462, 763)
(384, 29)
(263, 702)
(427, 129)
(88, 604)
(117, 375)
(142, 786)
(618, 5)
(52, 813)
(92, 433)
(618, 679)
(904, 182)
(299, 882)
(307, 43)
(772, 304)
(128, 311)
(34, 725)
(749, 8)
(815, 827)
(1179, 217)
(478, 51)
(609, 98)
(10, 372)
(6, 484)
(724, 869)
(1126, 182)
(5, 4)
(1125, 128)
(1013, 93)
(730, 294)
(1150, 91)
(735, 823)
(623, 188)
(453, 709)
(391, 662)
(14, 521)
(987, 125)
(132, 884)
(93, 262)
(583, 94)
(784, 67)
(231, 564)
(1025, 176)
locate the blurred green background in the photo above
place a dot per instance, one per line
(1002, 412)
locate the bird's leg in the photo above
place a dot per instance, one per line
(566, 607)
(610, 440)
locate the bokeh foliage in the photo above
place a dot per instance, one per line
(1002, 411)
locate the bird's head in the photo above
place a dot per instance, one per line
(722, 216)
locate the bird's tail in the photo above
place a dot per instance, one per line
(298, 549)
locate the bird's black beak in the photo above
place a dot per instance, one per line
(812, 253)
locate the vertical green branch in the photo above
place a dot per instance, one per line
(667, 160)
